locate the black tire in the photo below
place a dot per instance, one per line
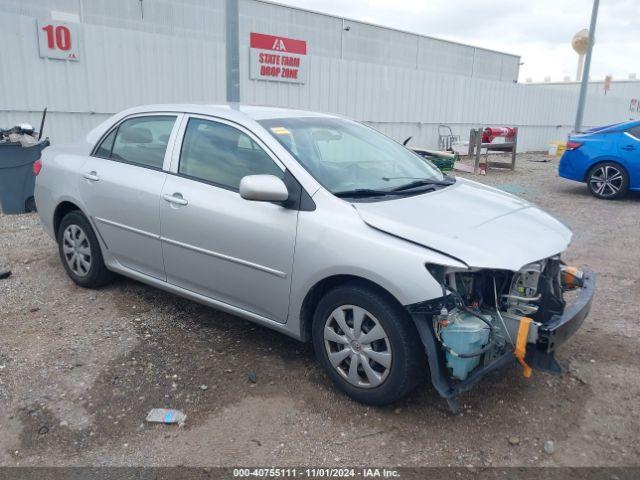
(614, 184)
(408, 361)
(97, 274)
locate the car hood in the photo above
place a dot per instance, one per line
(479, 225)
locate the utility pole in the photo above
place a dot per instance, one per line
(587, 66)
(232, 51)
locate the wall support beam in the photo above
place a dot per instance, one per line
(232, 50)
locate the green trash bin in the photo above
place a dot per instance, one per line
(17, 179)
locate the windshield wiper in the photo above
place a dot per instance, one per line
(424, 182)
(369, 192)
(401, 190)
(361, 192)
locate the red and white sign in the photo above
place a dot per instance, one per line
(278, 59)
(58, 40)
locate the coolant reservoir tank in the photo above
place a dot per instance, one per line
(465, 334)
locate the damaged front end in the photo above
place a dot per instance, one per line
(487, 318)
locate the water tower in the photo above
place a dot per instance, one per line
(580, 43)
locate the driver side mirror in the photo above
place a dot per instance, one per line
(263, 188)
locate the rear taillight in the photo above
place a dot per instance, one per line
(573, 145)
(37, 166)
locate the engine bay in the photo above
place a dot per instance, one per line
(488, 313)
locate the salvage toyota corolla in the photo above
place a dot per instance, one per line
(323, 229)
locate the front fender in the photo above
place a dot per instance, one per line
(331, 243)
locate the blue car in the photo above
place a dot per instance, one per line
(606, 158)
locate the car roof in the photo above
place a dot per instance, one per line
(616, 127)
(229, 110)
(238, 113)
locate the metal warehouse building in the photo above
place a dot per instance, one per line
(627, 89)
(87, 59)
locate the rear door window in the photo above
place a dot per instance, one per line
(140, 141)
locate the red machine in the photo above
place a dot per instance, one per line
(489, 133)
(481, 139)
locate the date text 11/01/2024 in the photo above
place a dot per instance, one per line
(316, 472)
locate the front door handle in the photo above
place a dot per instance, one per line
(628, 148)
(93, 176)
(176, 198)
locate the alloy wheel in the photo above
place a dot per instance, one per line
(606, 181)
(77, 250)
(357, 346)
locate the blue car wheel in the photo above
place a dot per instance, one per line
(608, 181)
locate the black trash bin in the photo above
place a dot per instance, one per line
(17, 179)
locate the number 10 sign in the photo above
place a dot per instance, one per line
(58, 40)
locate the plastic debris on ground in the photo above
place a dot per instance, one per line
(557, 148)
(166, 416)
(4, 273)
(442, 160)
(442, 164)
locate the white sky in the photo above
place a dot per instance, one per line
(540, 31)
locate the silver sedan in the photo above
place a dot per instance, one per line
(321, 228)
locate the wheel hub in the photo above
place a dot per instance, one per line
(606, 181)
(357, 346)
(76, 250)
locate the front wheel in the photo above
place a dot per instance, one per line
(608, 181)
(368, 345)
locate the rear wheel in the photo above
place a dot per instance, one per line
(608, 181)
(368, 345)
(80, 252)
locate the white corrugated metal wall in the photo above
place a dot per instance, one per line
(619, 88)
(161, 51)
(175, 54)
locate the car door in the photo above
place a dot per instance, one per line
(215, 243)
(630, 152)
(121, 184)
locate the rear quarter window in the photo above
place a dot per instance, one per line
(105, 147)
(635, 132)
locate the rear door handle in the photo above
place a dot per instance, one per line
(93, 176)
(176, 198)
(628, 148)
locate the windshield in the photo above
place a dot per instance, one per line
(346, 156)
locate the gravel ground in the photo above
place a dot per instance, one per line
(80, 369)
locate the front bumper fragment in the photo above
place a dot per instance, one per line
(561, 327)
